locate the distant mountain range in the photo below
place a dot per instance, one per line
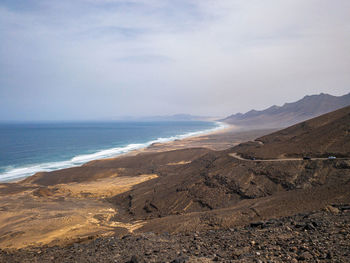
(176, 117)
(290, 113)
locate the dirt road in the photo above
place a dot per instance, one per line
(235, 155)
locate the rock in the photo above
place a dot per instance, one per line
(180, 260)
(305, 256)
(331, 209)
(309, 227)
(257, 224)
(240, 251)
(344, 207)
(342, 165)
(293, 249)
(329, 255)
(135, 259)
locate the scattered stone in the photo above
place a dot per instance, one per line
(316, 236)
(329, 255)
(257, 224)
(135, 259)
(180, 260)
(331, 209)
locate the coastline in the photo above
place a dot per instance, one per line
(154, 189)
(192, 141)
(69, 205)
(14, 175)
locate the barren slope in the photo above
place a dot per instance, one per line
(290, 113)
(325, 135)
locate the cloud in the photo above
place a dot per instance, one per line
(162, 57)
(145, 59)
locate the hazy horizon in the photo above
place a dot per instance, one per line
(147, 118)
(105, 59)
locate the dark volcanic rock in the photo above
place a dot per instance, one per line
(308, 237)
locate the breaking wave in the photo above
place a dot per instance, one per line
(16, 173)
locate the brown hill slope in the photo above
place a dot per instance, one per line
(290, 113)
(325, 135)
(123, 166)
(180, 190)
(216, 180)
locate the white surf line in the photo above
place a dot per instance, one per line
(14, 174)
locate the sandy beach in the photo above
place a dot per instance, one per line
(67, 205)
(196, 187)
(179, 186)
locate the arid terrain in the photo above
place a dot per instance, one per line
(319, 137)
(201, 199)
(73, 204)
(310, 237)
(289, 113)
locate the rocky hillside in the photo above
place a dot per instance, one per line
(322, 136)
(290, 113)
(190, 204)
(202, 180)
(310, 237)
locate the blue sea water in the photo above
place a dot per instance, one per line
(27, 148)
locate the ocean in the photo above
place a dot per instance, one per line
(28, 148)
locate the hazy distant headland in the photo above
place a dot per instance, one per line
(175, 117)
(289, 113)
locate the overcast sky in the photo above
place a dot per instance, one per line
(99, 59)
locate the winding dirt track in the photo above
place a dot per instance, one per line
(235, 155)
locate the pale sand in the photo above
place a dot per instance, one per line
(65, 213)
(217, 140)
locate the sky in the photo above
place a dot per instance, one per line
(101, 59)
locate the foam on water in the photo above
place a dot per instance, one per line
(15, 173)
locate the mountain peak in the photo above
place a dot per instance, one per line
(290, 113)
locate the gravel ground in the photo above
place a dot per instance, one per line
(322, 236)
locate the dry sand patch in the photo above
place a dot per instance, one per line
(64, 213)
(104, 188)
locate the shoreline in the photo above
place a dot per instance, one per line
(172, 145)
(128, 150)
(68, 205)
